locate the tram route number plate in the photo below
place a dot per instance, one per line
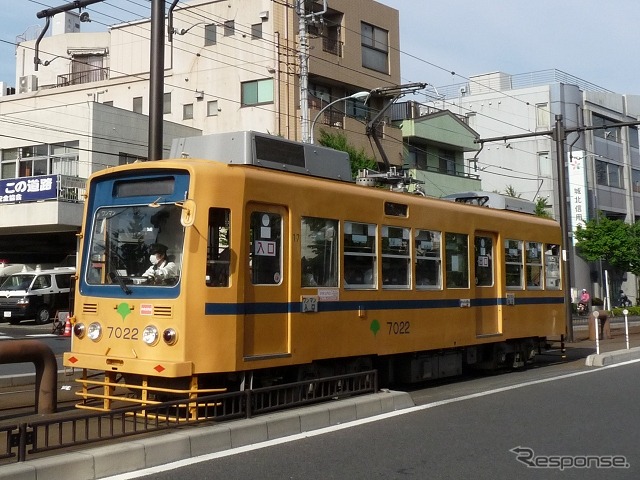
(309, 303)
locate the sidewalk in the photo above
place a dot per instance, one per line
(611, 350)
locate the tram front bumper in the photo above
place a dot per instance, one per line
(156, 368)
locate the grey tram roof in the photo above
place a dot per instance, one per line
(493, 200)
(269, 151)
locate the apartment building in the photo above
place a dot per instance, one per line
(603, 173)
(82, 99)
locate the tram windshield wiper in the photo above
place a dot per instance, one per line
(118, 279)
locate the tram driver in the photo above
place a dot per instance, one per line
(162, 271)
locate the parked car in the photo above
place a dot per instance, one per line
(37, 294)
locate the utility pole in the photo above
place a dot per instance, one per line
(559, 136)
(304, 72)
(156, 81)
(304, 18)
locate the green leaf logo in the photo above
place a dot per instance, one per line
(124, 310)
(375, 327)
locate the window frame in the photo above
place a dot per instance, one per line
(229, 28)
(514, 262)
(210, 34)
(316, 269)
(360, 266)
(166, 103)
(396, 257)
(137, 104)
(187, 111)
(244, 86)
(484, 260)
(533, 261)
(268, 226)
(454, 258)
(552, 270)
(431, 243)
(218, 265)
(212, 104)
(374, 43)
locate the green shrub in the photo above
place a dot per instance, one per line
(617, 311)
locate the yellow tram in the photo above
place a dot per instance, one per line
(286, 269)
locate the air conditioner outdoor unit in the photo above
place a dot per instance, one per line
(28, 83)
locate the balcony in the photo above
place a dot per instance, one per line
(87, 76)
(332, 45)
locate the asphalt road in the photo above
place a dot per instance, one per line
(569, 424)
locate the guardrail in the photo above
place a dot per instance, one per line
(78, 429)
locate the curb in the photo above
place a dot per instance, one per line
(610, 358)
(132, 455)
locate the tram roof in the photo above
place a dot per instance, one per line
(267, 151)
(493, 200)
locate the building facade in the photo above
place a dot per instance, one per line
(82, 99)
(603, 173)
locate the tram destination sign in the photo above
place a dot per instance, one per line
(28, 189)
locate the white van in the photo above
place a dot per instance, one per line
(37, 294)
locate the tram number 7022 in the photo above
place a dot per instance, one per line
(399, 328)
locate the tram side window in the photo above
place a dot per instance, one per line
(359, 255)
(265, 262)
(513, 263)
(457, 260)
(319, 252)
(396, 257)
(534, 265)
(428, 259)
(484, 261)
(218, 247)
(552, 266)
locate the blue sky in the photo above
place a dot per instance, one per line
(593, 40)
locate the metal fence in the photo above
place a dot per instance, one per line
(72, 189)
(82, 428)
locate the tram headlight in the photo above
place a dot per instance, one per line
(170, 336)
(150, 335)
(94, 332)
(79, 330)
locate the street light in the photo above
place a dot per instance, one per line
(355, 96)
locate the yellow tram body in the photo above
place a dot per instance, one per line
(244, 303)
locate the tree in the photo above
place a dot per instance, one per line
(358, 158)
(541, 208)
(511, 192)
(613, 241)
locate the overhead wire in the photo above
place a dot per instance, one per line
(196, 8)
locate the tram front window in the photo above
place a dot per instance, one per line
(136, 245)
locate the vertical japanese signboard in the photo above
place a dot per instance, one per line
(578, 190)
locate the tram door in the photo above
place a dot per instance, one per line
(266, 319)
(488, 310)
